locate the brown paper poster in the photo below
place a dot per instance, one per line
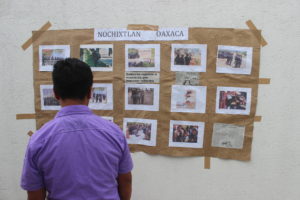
(211, 115)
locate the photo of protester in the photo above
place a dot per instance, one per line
(231, 59)
(142, 57)
(140, 131)
(188, 57)
(50, 54)
(186, 134)
(101, 97)
(48, 100)
(233, 100)
(99, 57)
(142, 96)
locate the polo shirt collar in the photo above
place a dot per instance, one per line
(72, 110)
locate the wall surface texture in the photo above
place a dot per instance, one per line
(273, 173)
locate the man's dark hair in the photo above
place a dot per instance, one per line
(72, 79)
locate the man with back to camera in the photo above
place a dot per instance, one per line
(77, 155)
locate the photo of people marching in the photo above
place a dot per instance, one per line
(233, 100)
(49, 98)
(231, 59)
(138, 131)
(51, 56)
(187, 56)
(185, 133)
(142, 96)
(99, 95)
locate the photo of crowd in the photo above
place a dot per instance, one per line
(49, 98)
(138, 131)
(233, 100)
(99, 95)
(231, 58)
(51, 56)
(97, 56)
(187, 56)
(185, 133)
(140, 96)
(141, 57)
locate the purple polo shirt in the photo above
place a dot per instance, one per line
(77, 155)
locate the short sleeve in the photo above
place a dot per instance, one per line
(32, 178)
(126, 164)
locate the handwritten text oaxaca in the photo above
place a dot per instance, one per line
(123, 34)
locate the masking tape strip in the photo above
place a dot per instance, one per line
(251, 26)
(206, 162)
(37, 35)
(257, 118)
(30, 133)
(144, 27)
(264, 81)
(25, 116)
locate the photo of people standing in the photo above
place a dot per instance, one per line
(97, 56)
(142, 96)
(187, 56)
(233, 100)
(138, 131)
(141, 57)
(99, 95)
(185, 133)
(51, 56)
(231, 58)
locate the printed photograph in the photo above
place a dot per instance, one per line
(48, 100)
(142, 57)
(142, 97)
(233, 59)
(50, 54)
(99, 57)
(101, 97)
(231, 100)
(228, 136)
(140, 131)
(188, 99)
(186, 134)
(188, 57)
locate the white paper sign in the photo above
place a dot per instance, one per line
(140, 35)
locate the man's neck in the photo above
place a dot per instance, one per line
(72, 102)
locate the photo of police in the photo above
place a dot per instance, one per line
(187, 56)
(49, 98)
(99, 95)
(234, 59)
(140, 96)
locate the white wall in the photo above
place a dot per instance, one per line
(274, 171)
